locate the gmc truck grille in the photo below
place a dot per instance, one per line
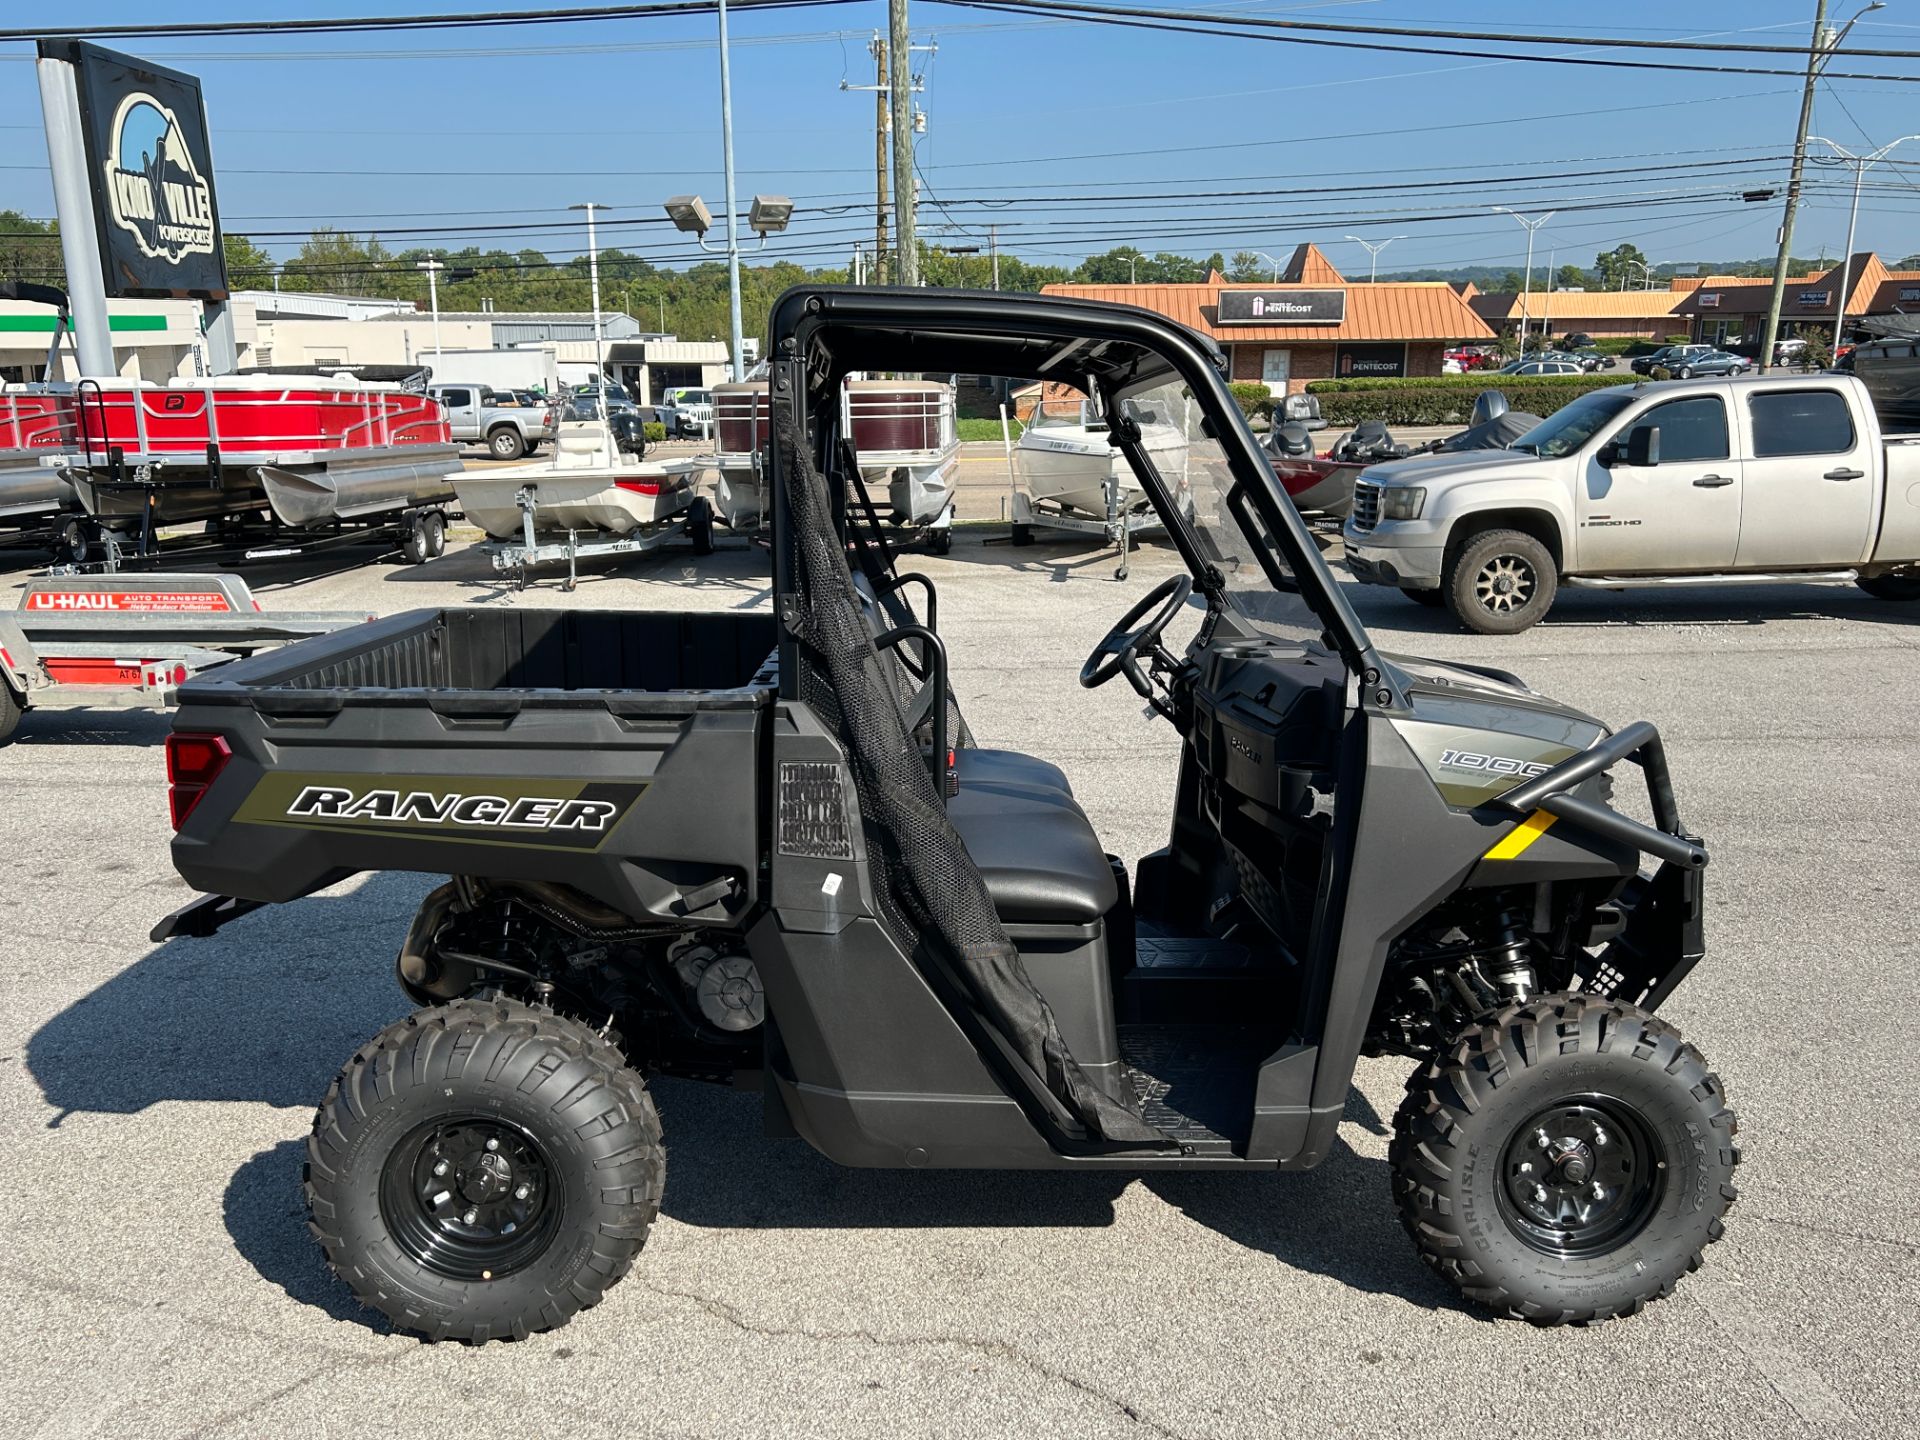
(1366, 505)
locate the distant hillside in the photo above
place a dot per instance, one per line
(1494, 277)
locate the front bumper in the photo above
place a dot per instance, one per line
(1390, 555)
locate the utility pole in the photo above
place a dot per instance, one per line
(599, 340)
(993, 248)
(880, 158)
(433, 267)
(1825, 41)
(900, 104)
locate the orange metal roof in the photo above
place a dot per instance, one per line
(1750, 295)
(1308, 266)
(1390, 310)
(1577, 305)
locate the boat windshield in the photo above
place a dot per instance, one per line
(1260, 582)
(1574, 424)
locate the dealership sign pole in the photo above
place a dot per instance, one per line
(133, 189)
(79, 245)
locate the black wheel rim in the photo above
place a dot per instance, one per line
(470, 1198)
(1581, 1177)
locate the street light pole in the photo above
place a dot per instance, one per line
(1271, 261)
(1825, 42)
(433, 267)
(599, 339)
(1373, 249)
(733, 219)
(1861, 164)
(1526, 297)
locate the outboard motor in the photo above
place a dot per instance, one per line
(1489, 405)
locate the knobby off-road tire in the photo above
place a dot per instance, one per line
(1467, 1150)
(1479, 569)
(554, 1170)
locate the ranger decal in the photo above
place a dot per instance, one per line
(541, 813)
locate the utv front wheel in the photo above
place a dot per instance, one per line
(1566, 1161)
(483, 1170)
(1501, 582)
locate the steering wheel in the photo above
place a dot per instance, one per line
(1119, 653)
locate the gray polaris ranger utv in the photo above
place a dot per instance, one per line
(762, 849)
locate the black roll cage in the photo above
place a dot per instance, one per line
(1120, 348)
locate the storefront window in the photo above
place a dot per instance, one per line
(1276, 368)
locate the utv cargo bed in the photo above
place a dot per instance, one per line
(616, 753)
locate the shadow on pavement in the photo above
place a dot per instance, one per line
(267, 1218)
(264, 1011)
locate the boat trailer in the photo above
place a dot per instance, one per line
(131, 641)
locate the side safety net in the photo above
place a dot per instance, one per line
(921, 862)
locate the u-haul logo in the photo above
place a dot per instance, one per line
(428, 807)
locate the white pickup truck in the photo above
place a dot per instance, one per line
(1679, 482)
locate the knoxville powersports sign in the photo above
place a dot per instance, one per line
(150, 170)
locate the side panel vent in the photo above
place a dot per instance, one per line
(812, 812)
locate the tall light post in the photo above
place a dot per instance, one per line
(769, 216)
(733, 219)
(1526, 296)
(1861, 164)
(1826, 40)
(1646, 273)
(1271, 261)
(1373, 249)
(433, 267)
(599, 339)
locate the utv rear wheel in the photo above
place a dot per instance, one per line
(1501, 582)
(483, 1170)
(1566, 1161)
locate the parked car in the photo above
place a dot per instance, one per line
(1535, 366)
(1687, 361)
(1767, 478)
(686, 410)
(1471, 357)
(475, 416)
(1579, 340)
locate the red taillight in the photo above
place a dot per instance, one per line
(638, 487)
(193, 763)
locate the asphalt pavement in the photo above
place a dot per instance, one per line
(154, 1100)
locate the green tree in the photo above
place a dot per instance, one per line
(1248, 266)
(30, 250)
(1619, 267)
(1570, 277)
(1215, 261)
(248, 266)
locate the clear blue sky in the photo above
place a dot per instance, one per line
(372, 133)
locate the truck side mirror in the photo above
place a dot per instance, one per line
(1643, 446)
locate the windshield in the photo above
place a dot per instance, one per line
(1259, 582)
(1572, 426)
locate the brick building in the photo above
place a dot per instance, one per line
(1729, 308)
(1313, 324)
(1603, 314)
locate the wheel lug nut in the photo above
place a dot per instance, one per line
(1526, 1167)
(470, 1217)
(1540, 1139)
(1540, 1193)
(493, 1144)
(522, 1192)
(1599, 1136)
(441, 1168)
(1599, 1192)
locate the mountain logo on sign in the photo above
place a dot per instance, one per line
(155, 190)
